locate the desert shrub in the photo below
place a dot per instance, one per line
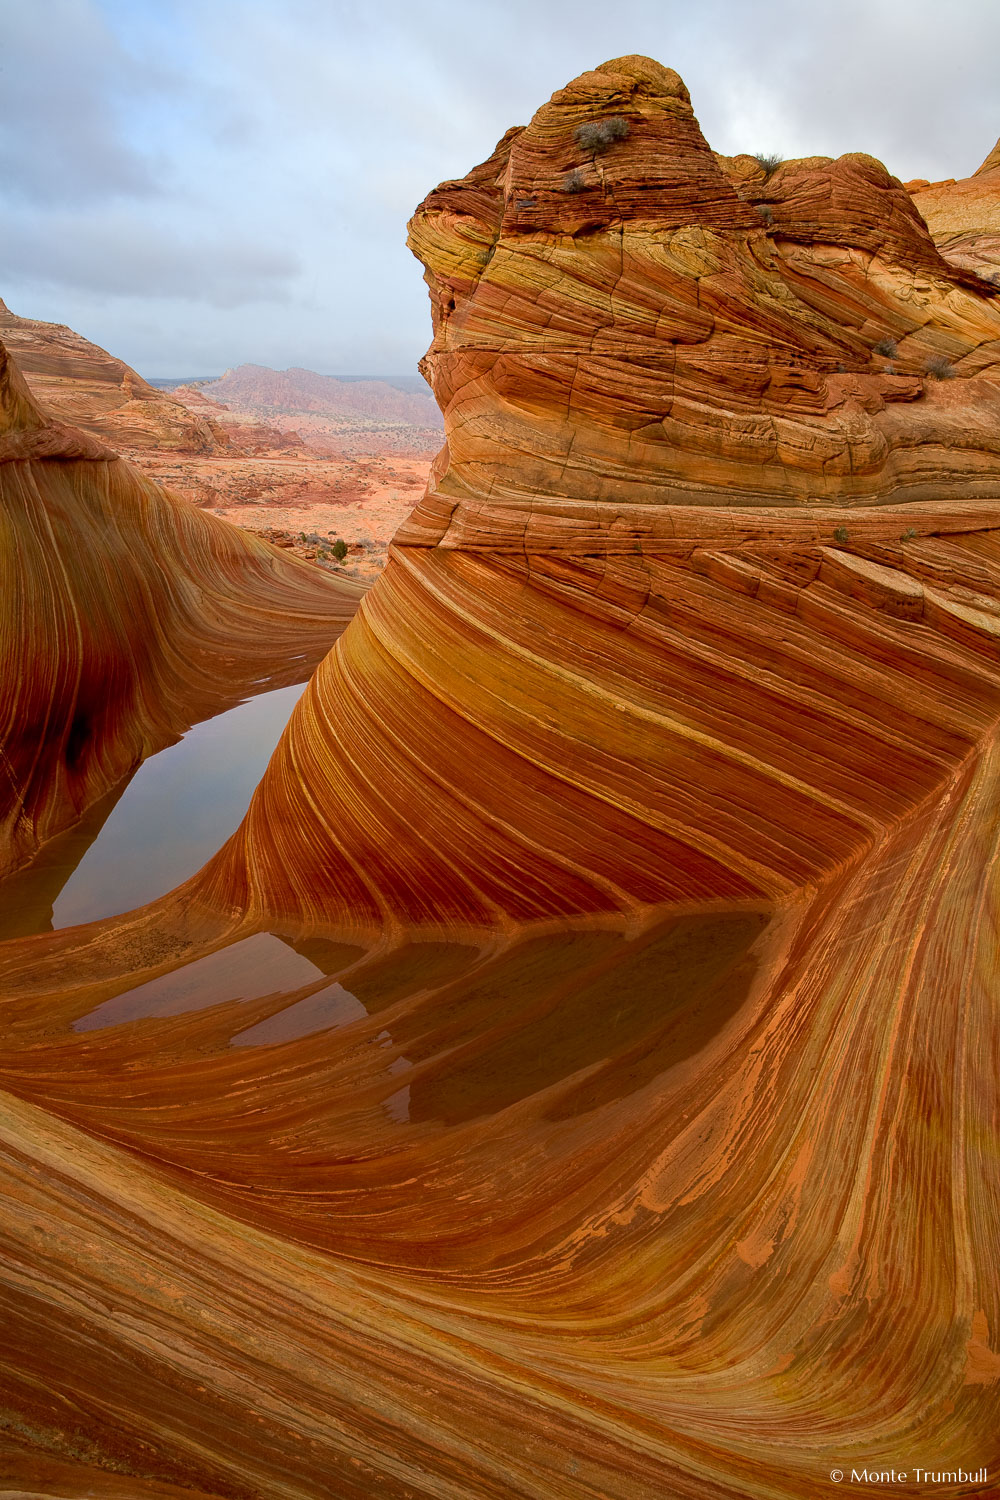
(908, 534)
(598, 135)
(887, 347)
(339, 549)
(940, 368)
(766, 212)
(840, 534)
(574, 182)
(769, 161)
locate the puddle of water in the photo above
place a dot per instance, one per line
(627, 1010)
(248, 970)
(397, 1106)
(590, 1016)
(144, 839)
(27, 897)
(326, 1010)
(405, 971)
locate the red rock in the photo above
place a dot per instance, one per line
(123, 613)
(77, 382)
(964, 218)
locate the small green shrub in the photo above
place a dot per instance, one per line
(940, 368)
(908, 534)
(886, 346)
(339, 549)
(574, 182)
(598, 135)
(840, 534)
(769, 161)
(766, 212)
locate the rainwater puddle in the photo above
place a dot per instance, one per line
(327, 1009)
(257, 966)
(179, 808)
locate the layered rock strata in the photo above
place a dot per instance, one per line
(578, 1075)
(625, 327)
(77, 382)
(125, 616)
(964, 217)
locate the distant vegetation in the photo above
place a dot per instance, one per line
(770, 161)
(598, 135)
(887, 347)
(840, 534)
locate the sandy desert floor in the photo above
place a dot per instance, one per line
(301, 502)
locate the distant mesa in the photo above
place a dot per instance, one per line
(230, 441)
(248, 411)
(188, 381)
(297, 390)
(333, 415)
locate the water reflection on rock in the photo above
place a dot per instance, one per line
(153, 830)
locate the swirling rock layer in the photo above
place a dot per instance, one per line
(125, 616)
(640, 341)
(651, 1187)
(964, 217)
(578, 1076)
(77, 382)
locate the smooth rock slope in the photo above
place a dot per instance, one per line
(79, 383)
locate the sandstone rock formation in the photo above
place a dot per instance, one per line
(964, 218)
(617, 344)
(125, 616)
(577, 1077)
(294, 450)
(76, 382)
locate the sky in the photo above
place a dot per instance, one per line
(196, 184)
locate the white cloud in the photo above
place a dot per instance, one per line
(118, 256)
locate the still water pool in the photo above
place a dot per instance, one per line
(156, 830)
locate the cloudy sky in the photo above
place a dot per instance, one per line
(199, 183)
